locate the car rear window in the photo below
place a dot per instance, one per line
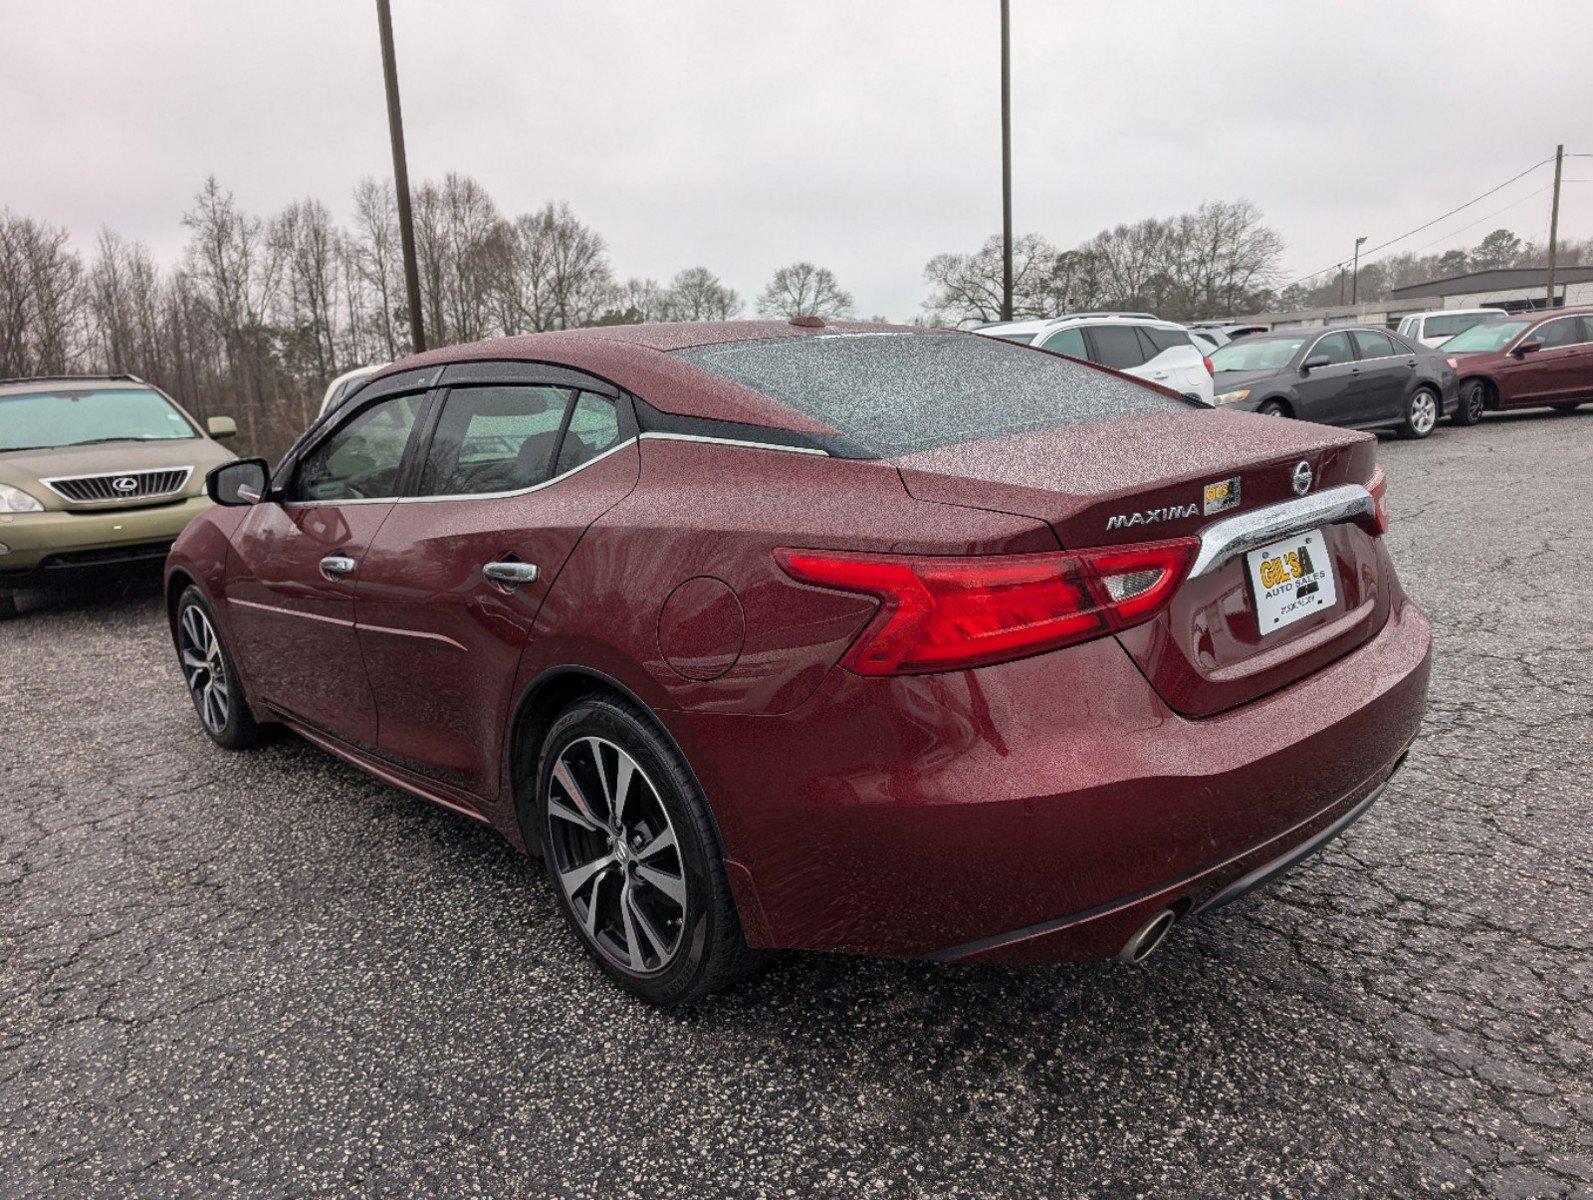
(899, 393)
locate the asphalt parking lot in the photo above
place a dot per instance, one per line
(269, 974)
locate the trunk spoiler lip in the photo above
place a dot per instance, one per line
(1232, 536)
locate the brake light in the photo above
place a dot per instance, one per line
(945, 614)
(1210, 369)
(1377, 526)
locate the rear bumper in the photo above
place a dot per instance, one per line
(42, 548)
(1041, 810)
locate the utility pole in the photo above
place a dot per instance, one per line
(1554, 219)
(406, 222)
(1355, 272)
(1341, 283)
(1006, 162)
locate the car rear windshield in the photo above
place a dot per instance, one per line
(45, 420)
(1448, 326)
(1495, 335)
(899, 393)
(1254, 354)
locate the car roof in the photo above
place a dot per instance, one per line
(72, 383)
(638, 359)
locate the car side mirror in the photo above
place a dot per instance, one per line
(1527, 348)
(237, 483)
(221, 427)
(1315, 361)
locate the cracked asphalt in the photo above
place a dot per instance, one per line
(268, 974)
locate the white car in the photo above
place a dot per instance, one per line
(345, 383)
(1437, 327)
(1146, 347)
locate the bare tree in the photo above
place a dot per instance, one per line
(966, 288)
(804, 290)
(697, 294)
(381, 264)
(43, 299)
(559, 277)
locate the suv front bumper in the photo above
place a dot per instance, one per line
(41, 548)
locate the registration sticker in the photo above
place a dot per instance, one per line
(1291, 579)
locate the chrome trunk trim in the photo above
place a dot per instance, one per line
(1240, 534)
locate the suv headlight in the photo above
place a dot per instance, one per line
(1238, 397)
(13, 500)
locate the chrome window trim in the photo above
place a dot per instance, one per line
(1240, 534)
(187, 474)
(666, 436)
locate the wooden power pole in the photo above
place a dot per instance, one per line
(406, 221)
(1554, 219)
(1006, 162)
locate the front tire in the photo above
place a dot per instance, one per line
(1421, 414)
(633, 855)
(1273, 408)
(8, 605)
(211, 678)
(1473, 400)
(1567, 408)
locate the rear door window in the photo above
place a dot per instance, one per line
(594, 429)
(1118, 347)
(1373, 345)
(1164, 339)
(898, 393)
(495, 439)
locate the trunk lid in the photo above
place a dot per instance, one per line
(1144, 479)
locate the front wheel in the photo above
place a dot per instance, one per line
(1273, 408)
(634, 856)
(1421, 414)
(1473, 399)
(8, 605)
(213, 683)
(1570, 407)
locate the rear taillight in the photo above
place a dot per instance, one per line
(1210, 369)
(945, 614)
(1377, 524)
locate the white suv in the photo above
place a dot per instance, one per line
(1436, 328)
(1146, 347)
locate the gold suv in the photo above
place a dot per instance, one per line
(95, 472)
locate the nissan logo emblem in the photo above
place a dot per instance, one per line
(124, 484)
(1302, 478)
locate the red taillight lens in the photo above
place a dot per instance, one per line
(1378, 486)
(1210, 369)
(945, 614)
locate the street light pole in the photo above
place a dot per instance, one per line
(1554, 220)
(1006, 162)
(406, 222)
(1355, 271)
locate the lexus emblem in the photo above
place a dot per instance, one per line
(125, 484)
(1302, 477)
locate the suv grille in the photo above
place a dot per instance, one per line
(120, 486)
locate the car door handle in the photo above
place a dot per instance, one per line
(337, 565)
(510, 573)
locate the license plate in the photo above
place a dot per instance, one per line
(1291, 580)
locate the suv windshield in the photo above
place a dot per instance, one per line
(899, 393)
(1251, 354)
(1495, 335)
(45, 420)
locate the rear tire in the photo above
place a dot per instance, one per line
(661, 923)
(1565, 409)
(212, 679)
(1421, 414)
(1473, 400)
(8, 605)
(1273, 408)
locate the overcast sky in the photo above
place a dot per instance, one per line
(860, 135)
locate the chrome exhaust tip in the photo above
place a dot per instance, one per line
(1148, 937)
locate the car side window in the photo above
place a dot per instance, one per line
(1373, 345)
(1069, 342)
(1564, 332)
(1587, 329)
(1164, 339)
(499, 438)
(594, 429)
(361, 459)
(1117, 346)
(1336, 346)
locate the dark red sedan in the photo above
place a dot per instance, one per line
(1533, 360)
(854, 637)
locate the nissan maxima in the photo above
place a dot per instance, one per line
(1361, 378)
(848, 637)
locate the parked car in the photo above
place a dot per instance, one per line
(1227, 330)
(1145, 347)
(1364, 378)
(344, 384)
(1208, 340)
(1532, 360)
(763, 635)
(1436, 328)
(96, 472)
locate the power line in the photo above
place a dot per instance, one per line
(1429, 224)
